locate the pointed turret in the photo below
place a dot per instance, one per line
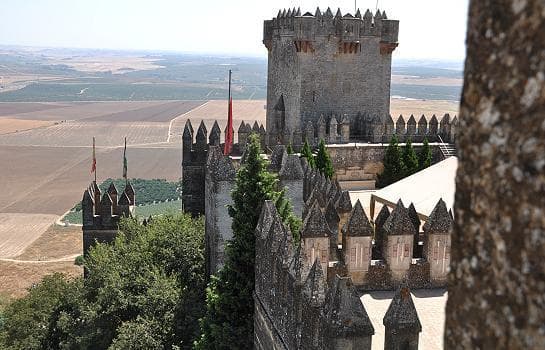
(87, 208)
(413, 215)
(400, 125)
(399, 221)
(129, 191)
(332, 218)
(123, 205)
(401, 322)
(318, 13)
(384, 15)
(255, 128)
(411, 125)
(328, 13)
(291, 169)
(289, 13)
(201, 137)
(279, 153)
(215, 134)
(112, 191)
(358, 224)
(187, 141)
(344, 204)
(440, 221)
(298, 12)
(346, 316)
(422, 125)
(314, 288)
(358, 14)
(106, 210)
(338, 14)
(242, 134)
(315, 224)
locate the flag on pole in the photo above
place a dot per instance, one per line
(125, 160)
(94, 164)
(229, 133)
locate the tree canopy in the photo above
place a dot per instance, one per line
(410, 160)
(144, 291)
(229, 319)
(424, 156)
(306, 152)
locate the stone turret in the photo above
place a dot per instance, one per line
(357, 243)
(308, 52)
(101, 213)
(437, 233)
(215, 135)
(348, 325)
(398, 237)
(315, 237)
(219, 182)
(401, 322)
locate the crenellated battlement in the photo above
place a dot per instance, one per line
(349, 29)
(195, 150)
(102, 211)
(380, 254)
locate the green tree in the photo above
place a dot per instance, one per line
(394, 168)
(410, 160)
(306, 152)
(289, 149)
(323, 161)
(146, 290)
(424, 156)
(229, 319)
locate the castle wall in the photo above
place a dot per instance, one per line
(339, 83)
(294, 191)
(364, 161)
(217, 222)
(266, 336)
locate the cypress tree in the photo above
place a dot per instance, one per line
(410, 160)
(394, 169)
(424, 157)
(289, 149)
(306, 152)
(323, 161)
(229, 319)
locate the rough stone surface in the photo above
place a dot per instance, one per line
(497, 280)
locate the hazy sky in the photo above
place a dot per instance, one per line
(428, 29)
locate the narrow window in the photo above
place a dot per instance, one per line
(352, 254)
(407, 250)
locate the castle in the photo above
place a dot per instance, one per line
(101, 213)
(328, 79)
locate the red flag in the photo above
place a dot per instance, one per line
(94, 165)
(229, 133)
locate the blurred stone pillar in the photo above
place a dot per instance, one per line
(497, 280)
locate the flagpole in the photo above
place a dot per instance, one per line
(94, 160)
(125, 163)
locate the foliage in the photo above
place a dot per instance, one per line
(424, 156)
(142, 211)
(285, 210)
(323, 161)
(148, 191)
(228, 323)
(289, 149)
(144, 291)
(306, 152)
(80, 261)
(394, 168)
(410, 160)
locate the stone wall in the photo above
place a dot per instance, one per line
(320, 65)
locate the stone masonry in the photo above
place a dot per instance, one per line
(497, 281)
(328, 68)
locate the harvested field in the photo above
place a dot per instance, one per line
(11, 108)
(17, 277)
(8, 125)
(80, 133)
(79, 110)
(247, 110)
(158, 113)
(55, 243)
(17, 231)
(419, 107)
(50, 180)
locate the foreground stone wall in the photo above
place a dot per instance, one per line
(496, 292)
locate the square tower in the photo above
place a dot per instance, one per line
(325, 65)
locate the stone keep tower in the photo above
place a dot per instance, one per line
(328, 68)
